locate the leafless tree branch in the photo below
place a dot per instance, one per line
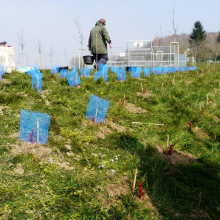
(52, 52)
(22, 42)
(80, 33)
(175, 28)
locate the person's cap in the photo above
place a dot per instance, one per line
(103, 21)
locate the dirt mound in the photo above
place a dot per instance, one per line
(39, 151)
(1, 109)
(104, 131)
(146, 95)
(200, 133)
(178, 157)
(44, 93)
(115, 126)
(66, 166)
(145, 201)
(217, 119)
(15, 135)
(132, 108)
(199, 214)
(113, 191)
(22, 94)
(19, 169)
(6, 81)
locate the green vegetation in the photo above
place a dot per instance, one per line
(80, 175)
(197, 37)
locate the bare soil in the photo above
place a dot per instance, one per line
(104, 131)
(110, 194)
(132, 108)
(146, 95)
(200, 133)
(1, 109)
(178, 157)
(6, 81)
(114, 126)
(19, 170)
(39, 151)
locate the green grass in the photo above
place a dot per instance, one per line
(46, 190)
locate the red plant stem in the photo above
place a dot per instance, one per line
(171, 148)
(123, 101)
(31, 136)
(144, 91)
(140, 190)
(93, 118)
(190, 124)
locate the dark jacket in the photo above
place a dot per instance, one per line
(98, 38)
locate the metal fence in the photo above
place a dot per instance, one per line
(142, 53)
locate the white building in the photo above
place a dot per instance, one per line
(7, 57)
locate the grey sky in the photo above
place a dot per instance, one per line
(50, 22)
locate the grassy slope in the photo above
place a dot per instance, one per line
(47, 191)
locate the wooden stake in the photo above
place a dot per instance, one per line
(168, 137)
(38, 131)
(141, 87)
(140, 123)
(135, 178)
(96, 113)
(123, 101)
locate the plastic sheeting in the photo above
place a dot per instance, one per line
(160, 70)
(97, 109)
(121, 74)
(114, 69)
(102, 73)
(146, 71)
(34, 127)
(37, 81)
(63, 73)
(85, 72)
(55, 69)
(135, 72)
(2, 71)
(73, 78)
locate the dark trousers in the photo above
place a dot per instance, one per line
(100, 59)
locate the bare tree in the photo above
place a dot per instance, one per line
(22, 43)
(80, 36)
(52, 52)
(174, 33)
(217, 46)
(40, 50)
(160, 38)
(159, 56)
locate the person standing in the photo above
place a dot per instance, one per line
(97, 44)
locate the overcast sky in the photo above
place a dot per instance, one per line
(50, 21)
